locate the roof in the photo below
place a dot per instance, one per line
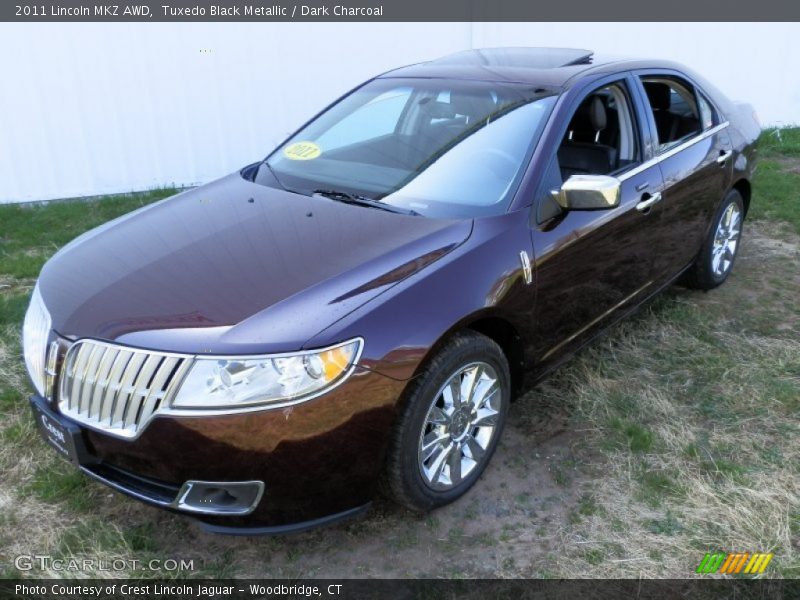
(546, 67)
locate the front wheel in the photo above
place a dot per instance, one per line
(454, 414)
(716, 258)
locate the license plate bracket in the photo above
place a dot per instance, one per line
(64, 436)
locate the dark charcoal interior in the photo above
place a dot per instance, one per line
(592, 143)
(675, 118)
(591, 146)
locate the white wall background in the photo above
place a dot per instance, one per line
(91, 109)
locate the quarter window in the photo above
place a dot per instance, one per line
(707, 118)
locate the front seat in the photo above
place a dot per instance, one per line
(581, 154)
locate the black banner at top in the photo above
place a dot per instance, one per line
(398, 10)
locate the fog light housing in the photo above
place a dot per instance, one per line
(219, 497)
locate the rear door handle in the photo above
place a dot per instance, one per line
(646, 204)
(723, 156)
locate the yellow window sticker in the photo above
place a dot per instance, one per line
(302, 151)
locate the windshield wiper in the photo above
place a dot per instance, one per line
(348, 198)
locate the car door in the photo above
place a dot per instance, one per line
(591, 265)
(694, 152)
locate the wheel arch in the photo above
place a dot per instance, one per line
(499, 329)
(744, 188)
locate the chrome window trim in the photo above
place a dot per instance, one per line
(672, 152)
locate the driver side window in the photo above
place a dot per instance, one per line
(600, 139)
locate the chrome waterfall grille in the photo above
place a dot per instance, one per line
(117, 389)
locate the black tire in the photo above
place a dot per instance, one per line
(702, 275)
(403, 476)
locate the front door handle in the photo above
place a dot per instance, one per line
(723, 156)
(648, 202)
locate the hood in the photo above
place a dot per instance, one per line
(235, 267)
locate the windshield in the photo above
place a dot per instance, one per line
(441, 148)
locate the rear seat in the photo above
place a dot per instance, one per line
(670, 126)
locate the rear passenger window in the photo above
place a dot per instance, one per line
(675, 110)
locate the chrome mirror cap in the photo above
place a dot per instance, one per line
(588, 192)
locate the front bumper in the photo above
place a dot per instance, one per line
(318, 460)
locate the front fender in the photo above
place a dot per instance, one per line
(482, 278)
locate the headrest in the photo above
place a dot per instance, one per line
(476, 106)
(590, 116)
(658, 94)
(438, 110)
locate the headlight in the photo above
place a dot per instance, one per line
(35, 332)
(230, 383)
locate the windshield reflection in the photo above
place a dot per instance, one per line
(441, 148)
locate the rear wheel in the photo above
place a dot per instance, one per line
(451, 423)
(716, 258)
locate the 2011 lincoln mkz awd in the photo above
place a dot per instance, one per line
(363, 304)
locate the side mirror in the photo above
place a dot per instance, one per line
(588, 192)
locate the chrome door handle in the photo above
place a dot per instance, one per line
(645, 204)
(723, 157)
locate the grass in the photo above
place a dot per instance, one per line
(675, 435)
(780, 143)
(698, 421)
(778, 177)
(31, 233)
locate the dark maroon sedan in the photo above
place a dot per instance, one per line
(364, 303)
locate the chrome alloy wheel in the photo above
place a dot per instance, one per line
(726, 240)
(459, 426)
